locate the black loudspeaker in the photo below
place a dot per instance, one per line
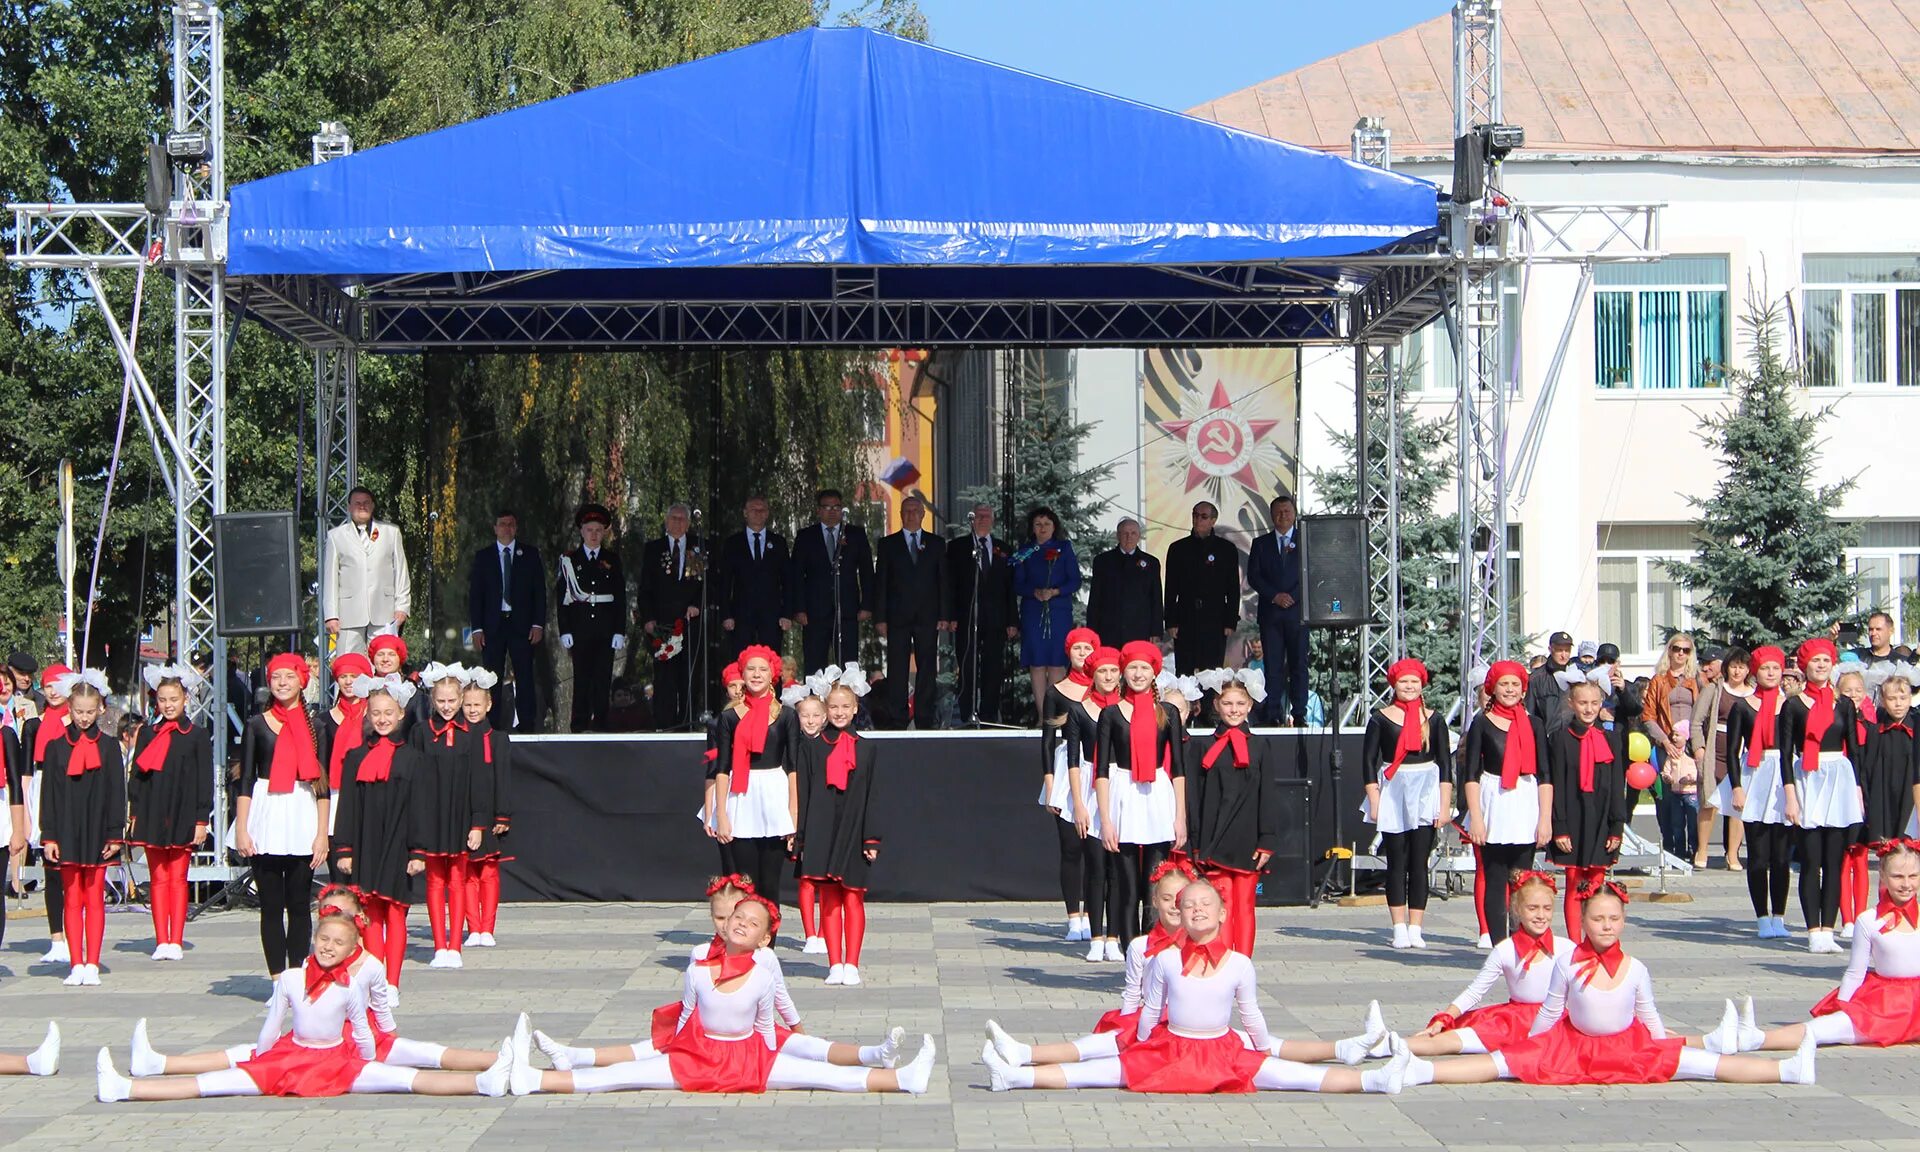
(256, 573)
(1333, 571)
(159, 179)
(1288, 880)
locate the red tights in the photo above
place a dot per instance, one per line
(809, 910)
(483, 894)
(446, 899)
(387, 933)
(167, 892)
(1577, 879)
(843, 918)
(1855, 884)
(1480, 888)
(1237, 891)
(85, 887)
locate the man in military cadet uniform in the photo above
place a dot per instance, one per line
(592, 593)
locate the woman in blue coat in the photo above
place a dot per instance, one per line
(1046, 574)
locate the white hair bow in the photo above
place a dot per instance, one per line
(1252, 679)
(480, 678)
(1601, 675)
(855, 678)
(435, 672)
(794, 693)
(1187, 688)
(820, 683)
(156, 674)
(1166, 681)
(401, 691)
(91, 677)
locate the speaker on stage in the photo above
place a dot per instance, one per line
(256, 573)
(1288, 880)
(1333, 571)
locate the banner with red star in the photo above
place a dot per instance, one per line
(1221, 425)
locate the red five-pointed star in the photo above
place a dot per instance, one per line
(1220, 441)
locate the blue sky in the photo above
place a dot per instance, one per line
(1173, 53)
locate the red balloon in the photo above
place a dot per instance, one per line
(1640, 775)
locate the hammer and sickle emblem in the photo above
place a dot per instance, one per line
(1220, 437)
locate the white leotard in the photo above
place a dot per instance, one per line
(1600, 1011)
(734, 1015)
(1893, 954)
(1524, 985)
(372, 980)
(1132, 995)
(316, 1023)
(783, 1005)
(1203, 1007)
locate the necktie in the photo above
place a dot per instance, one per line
(506, 576)
(833, 540)
(980, 552)
(676, 560)
(756, 545)
(913, 546)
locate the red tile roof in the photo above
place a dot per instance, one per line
(1718, 77)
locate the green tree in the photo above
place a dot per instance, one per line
(1770, 565)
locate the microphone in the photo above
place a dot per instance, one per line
(696, 515)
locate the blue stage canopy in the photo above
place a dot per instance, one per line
(830, 186)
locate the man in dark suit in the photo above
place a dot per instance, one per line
(507, 609)
(980, 615)
(1203, 594)
(671, 568)
(753, 583)
(1124, 604)
(910, 610)
(1273, 571)
(832, 584)
(592, 591)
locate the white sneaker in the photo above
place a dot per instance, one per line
(849, 975)
(439, 958)
(57, 953)
(90, 975)
(1393, 1077)
(45, 1060)
(145, 1061)
(1376, 1025)
(497, 1079)
(1725, 1036)
(453, 959)
(1097, 951)
(472, 940)
(837, 974)
(1414, 939)
(1485, 943)
(1846, 930)
(1014, 1053)
(76, 977)
(915, 1076)
(111, 1087)
(1400, 937)
(160, 952)
(176, 951)
(523, 1079)
(815, 946)
(557, 1054)
(487, 940)
(1113, 950)
(998, 1070)
(1073, 930)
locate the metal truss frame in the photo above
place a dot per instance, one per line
(1376, 441)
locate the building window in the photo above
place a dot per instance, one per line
(1426, 357)
(1660, 326)
(1886, 567)
(1862, 322)
(1641, 599)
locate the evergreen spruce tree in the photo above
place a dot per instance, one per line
(1771, 562)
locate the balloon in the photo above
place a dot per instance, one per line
(1640, 775)
(1639, 749)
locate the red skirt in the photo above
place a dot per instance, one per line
(1169, 1062)
(291, 1069)
(382, 1039)
(702, 1064)
(664, 1018)
(1126, 1027)
(1565, 1055)
(1885, 1010)
(1499, 1025)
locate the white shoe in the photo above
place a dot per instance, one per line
(144, 1060)
(497, 1080)
(439, 958)
(176, 952)
(1394, 1076)
(45, 1060)
(919, 1072)
(1011, 1051)
(850, 975)
(453, 959)
(1798, 1068)
(90, 975)
(1113, 950)
(1376, 1025)
(1846, 930)
(1414, 939)
(1097, 951)
(1073, 930)
(57, 953)
(556, 1052)
(1485, 943)
(1751, 1036)
(837, 974)
(1823, 942)
(998, 1069)
(111, 1087)
(1725, 1036)
(815, 946)
(76, 977)
(472, 940)
(889, 1054)
(487, 940)
(160, 952)
(1400, 937)
(523, 1079)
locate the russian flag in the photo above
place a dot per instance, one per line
(901, 473)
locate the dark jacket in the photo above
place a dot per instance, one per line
(526, 591)
(665, 595)
(813, 570)
(995, 584)
(1231, 812)
(601, 576)
(911, 590)
(1203, 583)
(1273, 569)
(757, 590)
(1124, 603)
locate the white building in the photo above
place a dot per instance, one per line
(1784, 140)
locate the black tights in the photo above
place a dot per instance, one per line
(285, 885)
(1127, 887)
(1094, 863)
(762, 859)
(56, 894)
(1407, 856)
(1498, 862)
(1822, 852)
(1769, 852)
(1072, 884)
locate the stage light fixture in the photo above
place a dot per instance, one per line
(187, 145)
(1502, 139)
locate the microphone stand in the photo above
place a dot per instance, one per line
(699, 654)
(839, 639)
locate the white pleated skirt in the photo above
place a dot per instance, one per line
(1410, 800)
(1830, 794)
(1142, 812)
(283, 823)
(31, 786)
(1511, 816)
(1766, 798)
(1057, 791)
(762, 809)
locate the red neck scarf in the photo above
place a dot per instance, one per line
(1413, 734)
(1891, 914)
(1080, 676)
(1143, 735)
(1521, 758)
(1526, 945)
(749, 738)
(1819, 699)
(352, 732)
(1159, 940)
(84, 755)
(377, 764)
(53, 722)
(1764, 723)
(1234, 738)
(318, 976)
(726, 965)
(1892, 726)
(1594, 750)
(1103, 699)
(1587, 962)
(840, 761)
(1214, 950)
(293, 755)
(486, 745)
(154, 757)
(439, 731)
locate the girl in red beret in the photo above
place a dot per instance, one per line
(1818, 729)
(1408, 760)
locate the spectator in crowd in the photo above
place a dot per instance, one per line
(1586, 656)
(911, 590)
(1546, 698)
(1708, 745)
(1124, 602)
(1203, 594)
(1273, 571)
(980, 615)
(832, 584)
(364, 587)
(22, 667)
(1668, 708)
(507, 610)
(592, 616)
(1046, 574)
(753, 590)
(1879, 646)
(671, 575)
(1607, 661)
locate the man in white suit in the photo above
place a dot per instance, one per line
(364, 587)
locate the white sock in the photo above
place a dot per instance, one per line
(884, 1054)
(1798, 1068)
(45, 1060)
(1002, 1075)
(1352, 1050)
(111, 1086)
(495, 1080)
(914, 1078)
(563, 1057)
(1418, 1072)
(144, 1060)
(1012, 1051)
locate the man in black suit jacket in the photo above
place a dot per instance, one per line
(507, 609)
(1203, 593)
(830, 610)
(1273, 571)
(592, 617)
(912, 605)
(670, 580)
(977, 558)
(1124, 604)
(753, 583)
